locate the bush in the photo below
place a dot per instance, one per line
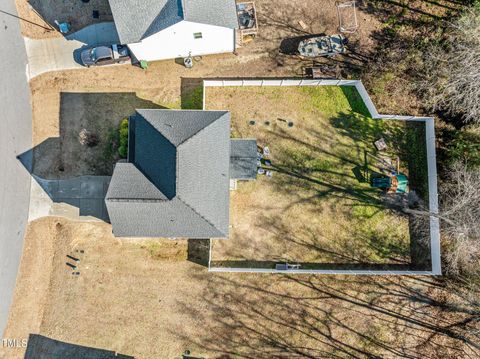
(123, 138)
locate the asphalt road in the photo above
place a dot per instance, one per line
(15, 138)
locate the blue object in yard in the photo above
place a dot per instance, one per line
(64, 27)
(402, 183)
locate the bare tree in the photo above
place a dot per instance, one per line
(461, 206)
(451, 69)
(460, 218)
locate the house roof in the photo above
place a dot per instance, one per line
(138, 19)
(177, 181)
(243, 159)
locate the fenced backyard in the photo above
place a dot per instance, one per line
(319, 208)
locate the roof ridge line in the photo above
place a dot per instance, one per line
(159, 131)
(200, 130)
(149, 200)
(205, 219)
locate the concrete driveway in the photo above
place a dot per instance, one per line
(15, 138)
(63, 53)
(78, 198)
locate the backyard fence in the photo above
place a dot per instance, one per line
(431, 167)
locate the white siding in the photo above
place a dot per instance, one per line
(178, 41)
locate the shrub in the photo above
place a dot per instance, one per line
(123, 138)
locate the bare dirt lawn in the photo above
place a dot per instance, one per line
(65, 155)
(278, 21)
(145, 300)
(38, 16)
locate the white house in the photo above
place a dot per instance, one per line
(166, 29)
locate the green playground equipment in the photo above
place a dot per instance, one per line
(400, 181)
(402, 185)
(382, 182)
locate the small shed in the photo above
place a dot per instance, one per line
(243, 159)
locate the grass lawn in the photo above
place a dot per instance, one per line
(319, 206)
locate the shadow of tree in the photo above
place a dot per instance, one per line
(336, 317)
(75, 173)
(314, 171)
(42, 347)
(78, 14)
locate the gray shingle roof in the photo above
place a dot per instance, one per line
(129, 183)
(243, 159)
(212, 12)
(154, 155)
(198, 207)
(170, 219)
(138, 19)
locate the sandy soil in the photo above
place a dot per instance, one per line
(277, 20)
(148, 306)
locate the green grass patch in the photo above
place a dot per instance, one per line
(332, 100)
(322, 166)
(193, 99)
(414, 154)
(123, 138)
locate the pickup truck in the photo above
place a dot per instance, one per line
(105, 55)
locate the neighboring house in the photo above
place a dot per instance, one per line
(166, 29)
(176, 180)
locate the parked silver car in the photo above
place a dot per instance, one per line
(105, 55)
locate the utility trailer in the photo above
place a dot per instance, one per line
(247, 21)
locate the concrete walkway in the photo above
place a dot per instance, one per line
(78, 198)
(63, 53)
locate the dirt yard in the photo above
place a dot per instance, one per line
(152, 303)
(38, 16)
(64, 155)
(145, 300)
(318, 207)
(104, 96)
(278, 21)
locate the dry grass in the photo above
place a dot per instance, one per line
(127, 301)
(314, 209)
